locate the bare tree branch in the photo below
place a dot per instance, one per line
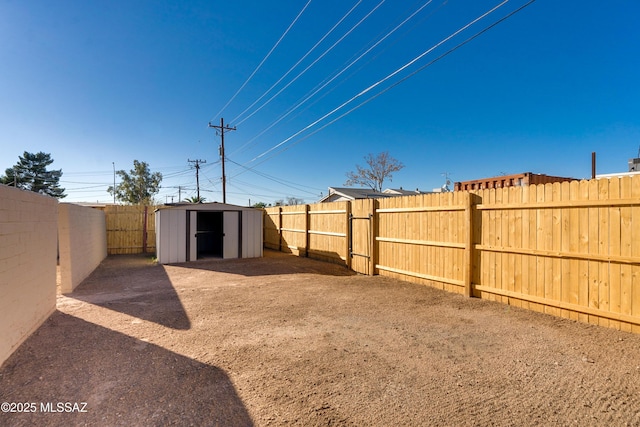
(380, 168)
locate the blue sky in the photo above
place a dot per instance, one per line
(101, 82)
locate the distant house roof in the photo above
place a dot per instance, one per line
(401, 192)
(339, 194)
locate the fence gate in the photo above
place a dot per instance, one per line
(361, 248)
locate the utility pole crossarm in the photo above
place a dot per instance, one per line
(222, 128)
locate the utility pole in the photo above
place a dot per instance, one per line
(197, 162)
(221, 129)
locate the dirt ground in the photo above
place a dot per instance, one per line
(290, 341)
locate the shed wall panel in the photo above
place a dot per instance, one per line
(172, 233)
(230, 235)
(193, 229)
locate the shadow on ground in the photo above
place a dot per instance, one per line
(123, 380)
(134, 285)
(272, 263)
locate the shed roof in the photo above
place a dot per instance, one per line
(211, 206)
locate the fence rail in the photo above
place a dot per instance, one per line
(569, 249)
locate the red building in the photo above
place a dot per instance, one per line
(518, 180)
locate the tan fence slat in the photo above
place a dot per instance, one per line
(614, 269)
(583, 296)
(635, 252)
(525, 245)
(594, 275)
(603, 249)
(626, 223)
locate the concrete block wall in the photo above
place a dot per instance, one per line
(28, 252)
(83, 243)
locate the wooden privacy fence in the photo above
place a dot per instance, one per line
(319, 231)
(569, 249)
(131, 229)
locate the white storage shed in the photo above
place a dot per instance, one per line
(188, 232)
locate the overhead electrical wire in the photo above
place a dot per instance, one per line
(245, 192)
(448, 52)
(335, 76)
(85, 188)
(252, 186)
(280, 181)
(369, 61)
(314, 62)
(396, 83)
(89, 173)
(234, 120)
(214, 184)
(165, 176)
(266, 196)
(379, 82)
(263, 60)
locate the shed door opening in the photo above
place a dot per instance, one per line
(210, 232)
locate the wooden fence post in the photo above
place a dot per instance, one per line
(373, 256)
(307, 224)
(279, 228)
(468, 251)
(347, 232)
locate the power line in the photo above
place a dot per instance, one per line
(263, 61)
(245, 192)
(297, 63)
(276, 180)
(329, 81)
(444, 2)
(403, 79)
(379, 82)
(314, 62)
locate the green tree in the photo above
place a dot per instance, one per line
(380, 168)
(30, 173)
(260, 205)
(138, 186)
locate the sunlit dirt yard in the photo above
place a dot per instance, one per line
(283, 340)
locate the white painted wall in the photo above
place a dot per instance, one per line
(82, 233)
(28, 251)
